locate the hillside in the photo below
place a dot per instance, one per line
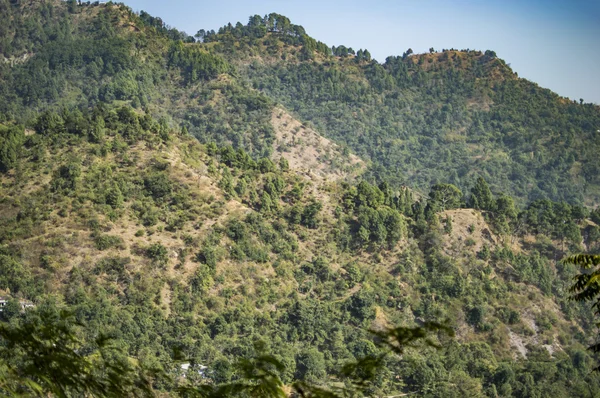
(417, 119)
(175, 244)
(420, 119)
(203, 203)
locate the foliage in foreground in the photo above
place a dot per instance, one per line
(587, 285)
(42, 355)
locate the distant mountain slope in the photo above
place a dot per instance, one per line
(417, 119)
(445, 123)
(166, 244)
(426, 118)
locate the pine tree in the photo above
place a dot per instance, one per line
(481, 196)
(11, 141)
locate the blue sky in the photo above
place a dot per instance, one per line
(554, 43)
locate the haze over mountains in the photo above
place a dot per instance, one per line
(255, 190)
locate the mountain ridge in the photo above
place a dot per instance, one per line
(464, 108)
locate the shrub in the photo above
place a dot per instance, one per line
(104, 242)
(310, 213)
(11, 140)
(113, 197)
(66, 177)
(158, 254)
(112, 265)
(158, 185)
(209, 255)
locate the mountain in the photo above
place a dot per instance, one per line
(419, 119)
(445, 116)
(204, 202)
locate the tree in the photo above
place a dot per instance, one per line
(158, 254)
(587, 284)
(505, 206)
(158, 185)
(66, 177)
(226, 182)
(72, 6)
(284, 164)
(481, 196)
(260, 374)
(311, 365)
(97, 130)
(200, 34)
(50, 123)
(309, 214)
(368, 195)
(11, 141)
(11, 309)
(43, 357)
(265, 165)
(266, 204)
(592, 236)
(445, 197)
(394, 224)
(448, 225)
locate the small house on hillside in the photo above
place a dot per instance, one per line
(25, 304)
(185, 367)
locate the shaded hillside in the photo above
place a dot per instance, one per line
(427, 118)
(79, 56)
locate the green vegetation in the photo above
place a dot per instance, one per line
(219, 267)
(42, 355)
(144, 190)
(446, 116)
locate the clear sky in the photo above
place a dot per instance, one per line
(555, 43)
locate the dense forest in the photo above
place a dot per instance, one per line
(158, 234)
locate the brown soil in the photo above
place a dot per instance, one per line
(308, 152)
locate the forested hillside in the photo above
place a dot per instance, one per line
(419, 119)
(440, 117)
(173, 195)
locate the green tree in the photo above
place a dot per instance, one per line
(445, 197)
(310, 365)
(66, 177)
(158, 185)
(587, 283)
(310, 214)
(367, 195)
(158, 254)
(11, 141)
(283, 164)
(505, 206)
(50, 123)
(44, 357)
(481, 196)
